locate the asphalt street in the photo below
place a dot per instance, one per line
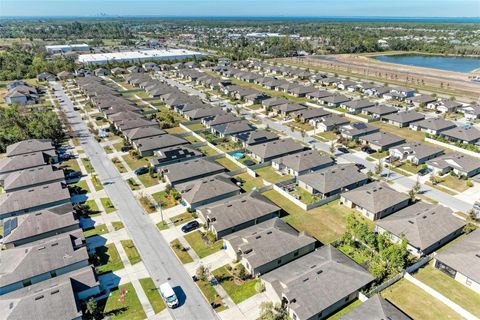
(159, 259)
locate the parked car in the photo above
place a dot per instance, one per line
(126, 148)
(423, 172)
(360, 166)
(192, 225)
(368, 150)
(73, 174)
(343, 149)
(168, 295)
(141, 170)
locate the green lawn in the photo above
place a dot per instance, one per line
(249, 182)
(227, 163)
(196, 127)
(345, 310)
(181, 218)
(124, 307)
(82, 184)
(147, 180)
(326, 223)
(211, 294)
(270, 175)
(238, 292)
(162, 225)
(379, 155)
(409, 135)
(117, 225)
(439, 187)
(208, 151)
(108, 149)
(328, 135)
(192, 139)
(183, 255)
(200, 246)
(450, 288)
(88, 165)
(70, 165)
(132, 253)
(228, 146)
(454, 183)
(118, 146)
(107, 259)
(96, 183)
(135, 163)
(152, 294)
(119, 165)
(305, 196)
(107, 205)
(164, 199)
(92, 207)
(133, 184)
(417, 303)
(175, 130)
(300, 126)
(96, 231)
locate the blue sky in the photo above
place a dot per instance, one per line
(364, 8)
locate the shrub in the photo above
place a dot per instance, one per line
(259, 287)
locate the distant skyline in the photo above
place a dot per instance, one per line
(242, 8)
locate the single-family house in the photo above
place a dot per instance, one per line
(287, 108)
(302, 162)
(274, 149)
(318, 94)
(251, 138)
(426, 227)
(459, 163)
(432, 125)
(375, 200)
(142, 133)
(21, 162)
(460, 261)
(375, 308)
(329, 122)
(471, 112)
(332, 180)
(445, 106)
(267, 246)
(354, 131)
(174, 154)
(381, 141)
(308, 287)
(29, 146)
(206, 190)
(356, 106)
(236, 213)
(377, 112)
(468, 135)
(275, 101)
(190, 170)
(32, 177)
(403, 119)
(421, 100)
(415, 152)
(232, 128)
(334, 101)
(146, 146)
(305, 115)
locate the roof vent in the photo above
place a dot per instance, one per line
(319, 271)
(258, 237)
(54, 292)
(305, 280)
(269, 232)
(313, 266)
(39, 297)
(411, 222)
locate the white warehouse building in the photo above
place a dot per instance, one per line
(64, 48)
(138, 56)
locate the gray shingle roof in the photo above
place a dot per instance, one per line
(381, 110)
(288, 107)
(32, 176)
(33, 197)
(257, 136)
(204, 112)
(21, 162)
(422, 224)
(470, 134)
(311, 113)
(333, 120)
(276, 148)
(267, 241)
(375, 308)
(358, 129)
(143, 132)
(38, 223)
(311, 283)
(456, 161)
(383, 139)
(375, 197)
(418, 149)
(221, 119)
(29, 146)
(333, 178)
(464, 255)
(191, 169)
(435, 124)
(206, 188)
(237, 210)
(234, 127)
(405, 117)
(17, 264)
(359, 104)
(159, 142)
(305, 160)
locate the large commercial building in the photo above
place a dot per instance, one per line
(64, 48)
(140, 55)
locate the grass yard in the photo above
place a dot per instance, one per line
(247, 158)
(227, 163)
(228, 146)
(208, 151)
(152, 294)
(121, 306)
(70, 166)
(409, 135)
(439, 187)
(96, 183)
(82, 184)
(325, 223)
(107, 205)
(135, 163)
(147, 180)
(269, 174)
(249, 182)
(300, 126)
(450, 288)
(119, 165)
(180, 251)
(92, 207)
(131, 251)
(117, 225)
(200, 246)
(107, 259)
(88, 165)
(108, 149)
(379, 155)
(96, 231)
(454, 183)
(237, 292)
(211, 294)
(133, 184)
(196, 127)
(181, 218)
(417, 303)
(326, 136)
(192, 139)
(175, 130)
(118, 146)
(164, 199)
(345, 310)
(162, 226)
(305, 196)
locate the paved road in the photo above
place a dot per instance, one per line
(401, 180)
(159, 259)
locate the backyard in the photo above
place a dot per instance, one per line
(270, 175)
(228, 164)
(249, 182)
(164, 199)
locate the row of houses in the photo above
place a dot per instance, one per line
(45, 264)
(21, 93)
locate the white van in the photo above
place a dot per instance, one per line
(168, 295)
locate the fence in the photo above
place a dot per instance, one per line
(279, 188)
(453, 147)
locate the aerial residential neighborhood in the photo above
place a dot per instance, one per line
(207, 167)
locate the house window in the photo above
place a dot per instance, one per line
(53, 274)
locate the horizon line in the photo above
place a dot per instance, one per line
(243, 16)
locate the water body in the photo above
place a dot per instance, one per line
(449, 63)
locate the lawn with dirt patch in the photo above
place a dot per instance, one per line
(237, 289)
(123, 304)
(134, 162)
(211, 294)
(180, 251)
(164, 199)
(117, 225)
(181, 218)
(131, 251)
(200, 245)
(147, 180)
